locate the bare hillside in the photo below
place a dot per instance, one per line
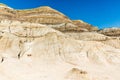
(30, 50)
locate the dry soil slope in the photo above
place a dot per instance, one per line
(94, 36)
(34, 51)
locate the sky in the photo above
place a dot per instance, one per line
(101, 13)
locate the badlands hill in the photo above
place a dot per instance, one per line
(47, 16)
(38, 48)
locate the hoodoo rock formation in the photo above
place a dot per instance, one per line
(43, 44)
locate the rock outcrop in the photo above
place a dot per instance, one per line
(43, 15)
(7, 12)
(113, 32)
(84, 25)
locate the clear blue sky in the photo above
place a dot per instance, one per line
(101, 13)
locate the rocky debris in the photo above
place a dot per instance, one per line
(76, 74)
